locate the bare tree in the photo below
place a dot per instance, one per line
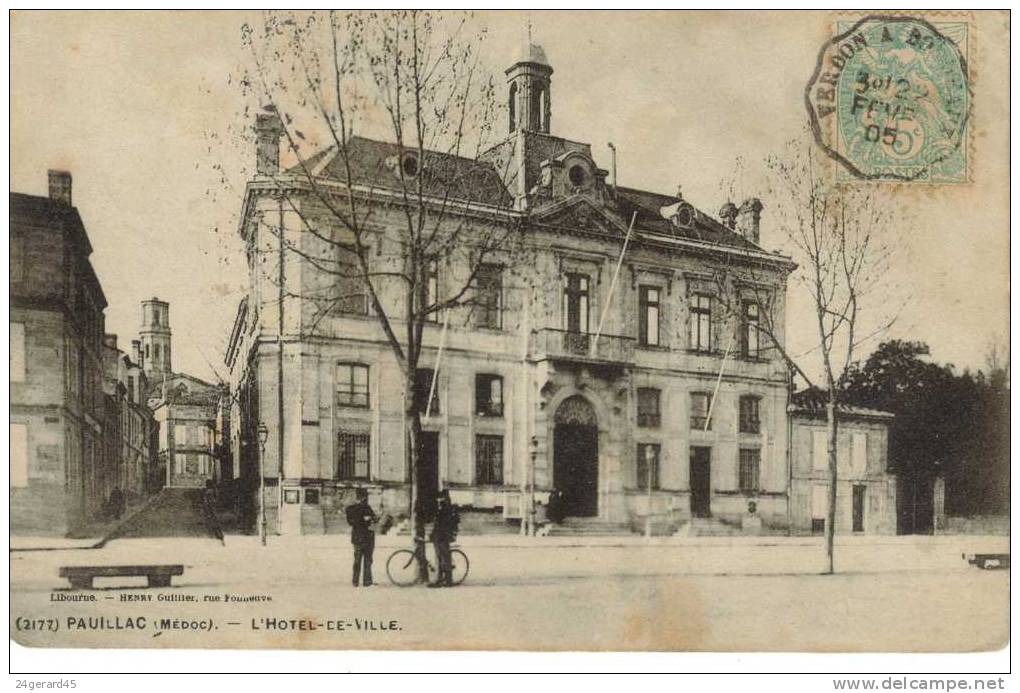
(842, 237)
(406, 230)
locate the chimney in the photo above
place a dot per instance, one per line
(728, 215)
(136, 351)
(60, 187)
(268, 130)
(748, 219)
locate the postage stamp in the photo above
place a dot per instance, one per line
(890, 99)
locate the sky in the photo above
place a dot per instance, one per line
(138, 106)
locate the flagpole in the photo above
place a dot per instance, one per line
(612, 285)
(435, 370)
(718, 383)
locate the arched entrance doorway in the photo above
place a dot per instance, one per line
(576, 457)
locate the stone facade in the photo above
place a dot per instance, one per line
(865, 490)
(186, 415)
(60, 477)
(617, 424)
(131, 429)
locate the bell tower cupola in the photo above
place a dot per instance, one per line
(155, 339)
(529, 105)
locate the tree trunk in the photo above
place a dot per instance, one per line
(830, 522)
(413, 419)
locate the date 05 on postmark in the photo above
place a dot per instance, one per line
(889, 99)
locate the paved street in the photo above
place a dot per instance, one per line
(176, 512)
(893, 593)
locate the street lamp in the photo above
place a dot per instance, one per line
(263, 434)
(649, 460)
(531, 484)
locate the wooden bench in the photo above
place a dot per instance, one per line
(81, 576)
(988, 561)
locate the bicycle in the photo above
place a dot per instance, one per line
(402, 565)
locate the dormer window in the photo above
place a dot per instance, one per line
(409, 164)
(577, 175)
(684, 217)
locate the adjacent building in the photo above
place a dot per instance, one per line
(60, 476)
(865, 490)
(184, 407)
(130, 430)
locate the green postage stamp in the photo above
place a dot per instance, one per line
(890, 99)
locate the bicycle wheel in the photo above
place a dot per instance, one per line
(461, 565)
(402, 568)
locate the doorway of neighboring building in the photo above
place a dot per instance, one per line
(428, 465)
(860, 492)
(576, 457)
(701, 481)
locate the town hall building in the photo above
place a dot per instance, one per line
(624, 365)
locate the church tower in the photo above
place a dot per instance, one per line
(529, 106)
(155, 337)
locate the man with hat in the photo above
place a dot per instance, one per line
(360, 517)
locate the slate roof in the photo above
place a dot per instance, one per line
(649, 218)
(812, 403)
(43, 211)
(182, 388)
(374, 163)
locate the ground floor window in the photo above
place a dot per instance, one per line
(19, 455)
(352, 455)
(648, 465)
(750, 469)
(819, 506)
(489, 460)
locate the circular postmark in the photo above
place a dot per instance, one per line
(889, 100)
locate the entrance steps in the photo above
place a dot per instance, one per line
(589, 527)
(709, 527)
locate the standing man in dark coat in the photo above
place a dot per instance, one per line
(444, 531)
(360, 517)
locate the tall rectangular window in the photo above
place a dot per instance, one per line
(488, 460)
(351, 385)
(430, 290)
(750, 470)
(352, 455)
(819, 507)
(701, 322)
(648, 413)
(701, 404)
(576, 299)
(180, 434)
(819, 450)
(422, 386)
(750, 421)
(489, 296)
(859, 454)
(352, 294)
(648, 316)
(750, 336)
(648, 466)
(19, 455)
(17, 358)
(488, 395)
(179, 462)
